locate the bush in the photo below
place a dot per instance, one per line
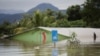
(63, 23)
(95, 24)
(78, 23)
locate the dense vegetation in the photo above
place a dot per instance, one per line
(85, 15)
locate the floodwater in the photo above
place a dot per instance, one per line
(14, 48)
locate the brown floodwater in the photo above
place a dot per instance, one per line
(15, 48)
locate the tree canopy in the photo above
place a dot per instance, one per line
(91, 12)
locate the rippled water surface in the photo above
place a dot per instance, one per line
(14, 48)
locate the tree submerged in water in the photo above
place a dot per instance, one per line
(73, 42)
(73, 45)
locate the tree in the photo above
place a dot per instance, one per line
(78, 23)
(49, 12)
(26, 21)
(33, 20)
(6, 28)
(74, 13)
(60, 15)
(63, 23)
(91, 12)
(38, 18)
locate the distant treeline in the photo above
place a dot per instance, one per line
(85, 15)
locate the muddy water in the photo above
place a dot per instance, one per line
(14, 48)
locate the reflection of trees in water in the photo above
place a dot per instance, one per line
(7, 43)
(43, 51)
(75, 49)
(27, 50)
(92, 50)
(37, 51)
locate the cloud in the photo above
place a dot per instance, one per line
(28, 4)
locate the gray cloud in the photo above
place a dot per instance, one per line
(28, 4)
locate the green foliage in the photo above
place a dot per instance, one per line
(25, 22)
(91, 12)
(37, 18)
(49, 12)
(73, 42)
(73, 38)
(34, 20)
(60, 15)
(74, 13)
(87, 16)
(78, 23)
(49, 21)
(63, 23)
(96, 24)
(73, 35)
(6, 28)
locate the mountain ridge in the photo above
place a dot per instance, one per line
(13, 17)
(4, 11)
(43, 7)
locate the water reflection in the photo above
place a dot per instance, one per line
(55, 52)
(73, 48)
(76, 49)
(91, 50)
(13, 48)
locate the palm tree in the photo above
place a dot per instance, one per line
(37, 20)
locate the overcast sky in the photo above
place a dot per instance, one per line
(28, 4)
